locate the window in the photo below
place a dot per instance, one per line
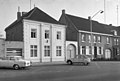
(33, 33)
(117, 41)
(100, 50)
(33, 50)
(117, 51)
(99, 39)
(58, 51)
(108, 40)
(95, 39)
(90, 50)
(83, 37)
(115, 32)
(58, 35)
(47, 34)
(47, 50)
(89, 38)
(83, 50)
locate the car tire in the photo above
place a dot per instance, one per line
(16, 67)
(69, 62)
(86, 63)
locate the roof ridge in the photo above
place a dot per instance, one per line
(31, 12)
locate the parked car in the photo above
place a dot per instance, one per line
(82, 59)
(15, 62)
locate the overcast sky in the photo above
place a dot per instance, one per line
(81, 8)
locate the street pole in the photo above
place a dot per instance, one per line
(91, 30)
(91, 37)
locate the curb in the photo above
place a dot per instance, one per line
(48, 63)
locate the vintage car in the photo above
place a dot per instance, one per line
(82, 59)
(15, 62)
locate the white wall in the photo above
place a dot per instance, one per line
(41, 41)
(28, 25)
(56, 42)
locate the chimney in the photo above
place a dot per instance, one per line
(23, 13)
(18, 13)
(110, 24)
(89, 17)
(63, 11)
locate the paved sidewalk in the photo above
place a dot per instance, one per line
(47, 63)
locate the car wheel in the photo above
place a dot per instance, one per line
(86, 63)
(16, 67)
(69, 62)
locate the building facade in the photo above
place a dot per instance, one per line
(37, 37)
(100, 43)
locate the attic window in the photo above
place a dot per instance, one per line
(115, 32)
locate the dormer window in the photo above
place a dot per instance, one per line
(115, 32)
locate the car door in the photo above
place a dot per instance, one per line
(81, 58)
(75, 59)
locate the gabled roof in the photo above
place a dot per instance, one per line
(37, 15)
(84, 24)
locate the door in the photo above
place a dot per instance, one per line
(71, 51)
(107, 54)
(95, 52)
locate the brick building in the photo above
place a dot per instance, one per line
(104, 42)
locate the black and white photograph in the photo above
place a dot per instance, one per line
(59, 40)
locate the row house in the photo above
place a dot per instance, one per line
(101, 42)
(36, 36)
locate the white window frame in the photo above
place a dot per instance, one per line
(118, 51)
(33, 33)
(59, 35)
(115, 32)
(83, 37)
(108, 40)
(89, 38)
(58, 50)
(99, 39)
(83, 49)
(33, 50)
(46, 51)
(117, 41)
(95, 38)
(47, 34)
(100, 50)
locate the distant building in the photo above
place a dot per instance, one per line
(36, 36)
(2, 47)
(105, 38)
